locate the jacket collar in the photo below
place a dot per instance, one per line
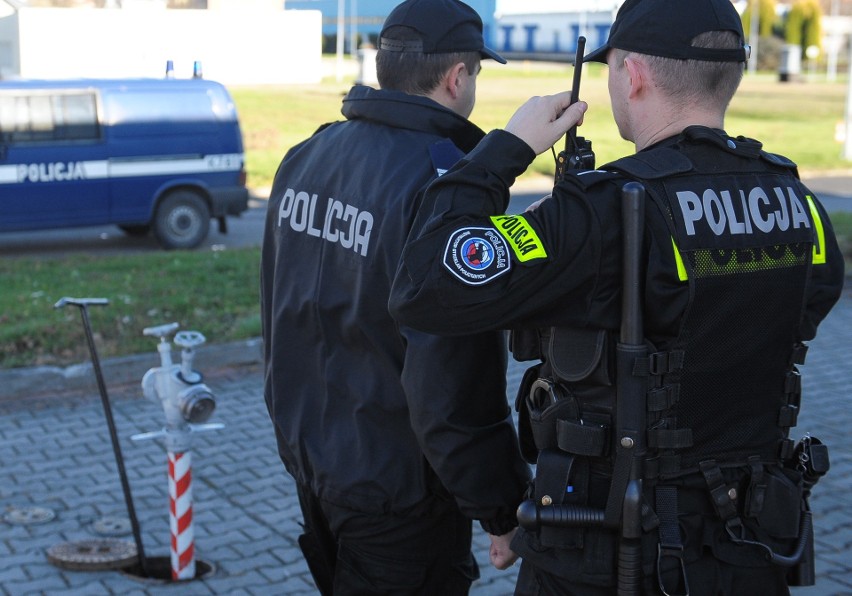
(412, 112)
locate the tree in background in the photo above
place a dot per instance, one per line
(768, 18)
(770, 29)
(804, 24)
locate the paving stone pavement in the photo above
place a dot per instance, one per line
(55, 453)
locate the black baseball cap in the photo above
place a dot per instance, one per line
(666, 28)
(445, 26)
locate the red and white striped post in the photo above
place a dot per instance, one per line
(186, 403)
(180, 515)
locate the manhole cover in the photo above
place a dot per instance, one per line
(28, 515)
(104, 553)
(111, 526)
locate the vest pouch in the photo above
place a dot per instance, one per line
(548, 405)
(561, 479)
(775, 502)
(525, 434)
(769, 511)
(580, 355)
(525, 344)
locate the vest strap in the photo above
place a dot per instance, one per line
(553, 477)
(756, 496)
(670, 547)
(793, 384)
(789, 413)
(581, 437)
(800, 350)
(722, 497)
(659, 363)
(663, 398)
(786, 449)
(662, 465)
(788, 416)
(663, 438)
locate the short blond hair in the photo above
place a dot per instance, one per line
(698, 81)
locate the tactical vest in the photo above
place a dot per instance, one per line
(722, 397)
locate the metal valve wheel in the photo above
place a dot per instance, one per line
(189, 339)
(160, 330)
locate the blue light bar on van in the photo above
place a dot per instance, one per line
(196, 70)
(170, 69)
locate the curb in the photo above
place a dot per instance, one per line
(41, 381)
(37, 381)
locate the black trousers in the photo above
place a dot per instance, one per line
(350, 552)
(707, 577)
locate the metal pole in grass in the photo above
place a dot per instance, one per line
(341, 9)
(83, 303)
(753, 35)
(847, 141)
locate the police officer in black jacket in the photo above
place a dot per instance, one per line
(740, 265)
(396, 438)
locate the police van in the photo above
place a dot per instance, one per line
(159, 155)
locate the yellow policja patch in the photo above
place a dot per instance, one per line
(521, 237)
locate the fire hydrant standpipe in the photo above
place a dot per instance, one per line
(180, 515)
(116, 446)
(185, 400)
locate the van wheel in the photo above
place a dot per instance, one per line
(182, 220)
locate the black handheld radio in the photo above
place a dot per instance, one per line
(578, 154)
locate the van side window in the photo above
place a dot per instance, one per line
(48, 118)
(135, 107)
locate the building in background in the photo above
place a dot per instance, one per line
(549, 30)
(236, 42)
(543, 29)
(362, 19)
(282, 41)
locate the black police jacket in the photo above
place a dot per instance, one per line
(468, 267)
(740, 263)
(369, 414)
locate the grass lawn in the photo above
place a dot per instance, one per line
(216, 292)
(796, 119)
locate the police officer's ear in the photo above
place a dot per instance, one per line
(636, 69)
(455, 79)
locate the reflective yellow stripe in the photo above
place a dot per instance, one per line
(521, 237)
(681, 268)
(819, 243)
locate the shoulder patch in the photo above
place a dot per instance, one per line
(778, 160)
(444, 155)
(477, 255)
(587, 178)
(653, 164)
(521, 237)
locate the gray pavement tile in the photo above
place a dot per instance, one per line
(55, 453)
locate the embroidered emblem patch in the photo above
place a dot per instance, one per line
(477, 255)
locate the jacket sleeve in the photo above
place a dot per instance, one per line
(456, 393)
(827, 276)
(467, 267)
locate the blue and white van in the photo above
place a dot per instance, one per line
(161, 155)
